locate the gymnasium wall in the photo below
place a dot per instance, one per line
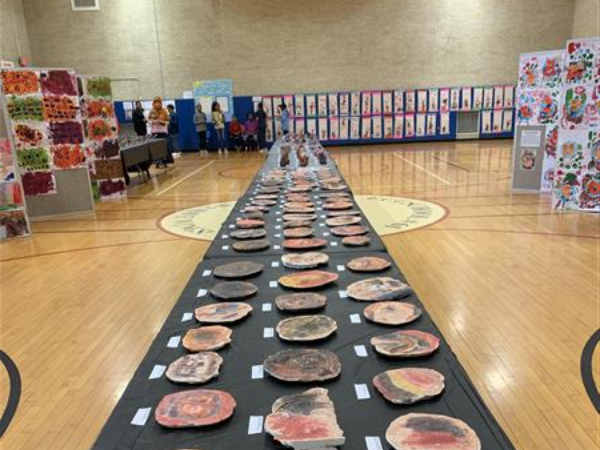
(586, 18)
(14, 40)
(275, 46)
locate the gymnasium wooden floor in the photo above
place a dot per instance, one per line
(513, 285)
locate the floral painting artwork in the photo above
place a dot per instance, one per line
(529, 71)
(580, 61)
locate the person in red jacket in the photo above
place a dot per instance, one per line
(236, 133)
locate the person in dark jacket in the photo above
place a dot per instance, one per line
(200, 122)
(139, 120)
(261, 117)
(173, 128)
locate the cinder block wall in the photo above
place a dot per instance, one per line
(586, 19)
(276, 46)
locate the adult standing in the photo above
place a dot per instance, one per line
(139, 120)
(159, 120)
(173, 129)
(261, 117)
(200, 122)
(218, 120)
(285, 119)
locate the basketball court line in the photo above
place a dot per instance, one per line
(422, 169)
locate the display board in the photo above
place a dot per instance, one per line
(528, 155)
(206, 92)
(13, 214)
(577, 175)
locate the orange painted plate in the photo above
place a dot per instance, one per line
(392, 313)
(304, 244)
(310, 279)
(406, 344)
(409, 385)
(197, 408)
(350, 230)
(208, 338)
(378, 289)
(368, 264)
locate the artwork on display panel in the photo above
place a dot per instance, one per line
(507, 121)
(289, 102)
(344, 131)
(589, 199)
(38, 183)
(421, 123)
(548, 168)
(377, 132)
(277, 99)
(333, 105)
(422, 100)
(299, 105)
(527, 107)
(366, 128)
(486, 122)
(498, 97)
(570, 160)
(311, 127)
(551, 69)
(399, 126)
(579, 108)
(529, 71)
(477, 98)
(366, 105)
(13, 223)
(277, 128)
(11, 196)
(497, 120)
(7, 169)
(581, 62)
(398, 102)
(376, 103)
(445, 100)
(455, 99)
(355, 128)
(388, 127)
(323, 129)
(299, 126)
(509, 96)
(322, 105)
(311, 105)
(410, 102)
(445, 123)
(344, 104)
(488, 97)
(334, 128)
(355, 103)
(465, 104)
(547, 103)
(388, 103)
(267, 105)
(431, 124)
(434, 100)
(409, 125)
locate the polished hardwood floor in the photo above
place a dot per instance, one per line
(513, 285)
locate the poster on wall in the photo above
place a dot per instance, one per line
(527, 106)
(344, 104)
(409, 125)
(299, 105)
(477, 98)
(431, 124)
(486, 121)
(322, 105)
(311, 127)
(277, 128)
(289, 103)
(507, 121)
(311, 105)
(366, 106)
(465, 104)
(355, 103)
(376, 103)
(333, 105)
(488, 97)
(267, 105)
(433, 100)
(277, 100)
(498, 96)
(410, 104)
(570, 164)
(454, 99)
(498, 115)
(529, 71)
(216, 89)
(334, 128)
(366, 127)
(299, 125)
(355, 128)
(388, 104)
(323, 129)
(388, 127)
(445, 123)
(509, 97)
(398, 102)
(377, 131)
(444, 100)
(422, 100)
(421, 124)
(344, 132)
(398, 126)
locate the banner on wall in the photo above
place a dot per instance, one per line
(422, 100)
(376, 103)
(445, 100)
(398, 102)
(433, 100)
(217, 91)
(344, 134)
(388, 103)
(366, 106)
(333, 105)
(344, 98)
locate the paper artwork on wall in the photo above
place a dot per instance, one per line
(529, 71)
(344, 132)
(398, 102)
(311, 106)
(433, 100)
(579, 108)
(422, 100)
(334, 128)
(344, 104)
(410, 104)
(388, 127)
(498, 97)
(268, 105)
(477, 98)
(581, 62)
(497, 120)
(277, 100)
(311, 127)
(486, 122)
(333, 105)
(509, 97)
(551, 69)
(398, 126)
(527, 107)
(431, 124)
(388, 104)
(299, 125)
(465, 104)
(445, 123)
(7, 169)
(289, 103)
(323, 129)
(421, 124)
(355, 128)
(355, 103)
(444, 100)
(488, 98)
(278, 132)
(322, 105)
(507, 121)
(377, 131)
(366, 128)
(376, 103)
(366, 105)
(455, 99)
(548, 105)
(570, 163)
(299, 105)
(409, 125)
(269, 136)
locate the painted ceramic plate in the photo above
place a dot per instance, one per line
(298, 210)
(305, 301)
(267, 197)
(197, 408)
(431, 431)
(409, 385)
(300, 232)
(342, 221)
(378, 289)
(254, 215)
(309, 279)
(356, 241)
(244, 235)
(304, 217)
(240, 269)
(306, 204)
(368, 264)
(306, 328)
(224, 312)
(255, 209)
(259, 202)
(352, 212)
(308, 260)
(392, 313)
(297, 224)
(337, 205)
(301, 189)
(233, 290)
(334, 187)
(254, 245)
(208, 338)
(249, 223)
(350, 230)
(335, 195)
(271, 190)
(195, 368)
(406, 344)
(304, 244)
(303, 365)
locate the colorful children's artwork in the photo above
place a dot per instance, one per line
(299, 105)
(548, 167)
(410, 104)
(311, 106)
(333, 105)
(527, 107)
(570, 160)
(344, 104)
(355, 103)
(366, 106)
(409, 125)
(398, 126)
(388, 104)
(498, 97)
(322, 105)
(98, 87)
(486, 121)
(377, 132)
(13, 223)
(376, 108)
(431, 124)
(288, 100)
(388, 127)
(38, 183)
(477, 98)
(355, 128)
(366, 128)
(277, 100)
(509, 97)
(25, 108)
(421, 124)
(97, 108)
(488, 98)
(497, 120)
(112, 189)
(69, 156)
(398, 102)
(445, 100)
(527, 159)
(589, 199)
(551, 141)
(323, 131)
(268, 105)
(299, 125)
(60, 107)
(7, 170)
(311, 127)
(529, 71)
(334, 128)
(29, 134)
(551, 70)
(344, 128)
(445, 123)
(548, 106)
(63, 82)
(11, 196)
(33, 159)
(507, 121)
(455, 99)
(434, 100)
(20, 82)
(575, 107)
(580, 61)
(465, 104)
(422, 101)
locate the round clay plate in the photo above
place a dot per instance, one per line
(409, 385)
(342, 221)
(368, 264)
(300, 232)
(356, 241)
(307, 204)
(378, 289)
(272, 190)
(260, 202)
(334, 187)
(288, 210)
(195, 368)
(208, 338)
(307, 301)
(350, 230)
(304, 244)
(243, 235)
(301, 189)
(308, 260)
(303, 217)
(431, 431)
(254, 245)
(197, 408)
(309, 279)
(304, 365)
(246, 224)
(406, 344)
(233, 290)
(337, 205)
(306, 328)
(352, 212)
(267, 197)
(252, 209)
(224, 312)
(241, 269)
(328, 195)
(297, 224)
(392, 313)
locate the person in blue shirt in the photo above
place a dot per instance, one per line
(173, 128)
(285, 119)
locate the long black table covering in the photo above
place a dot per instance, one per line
(358, 418)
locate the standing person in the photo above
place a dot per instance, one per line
(200, 122)
(261, 117)
(251, 131)
(285, 119)
(219, 122)
(159, 119)
(139, 120)
(236, 133)
(173, 129)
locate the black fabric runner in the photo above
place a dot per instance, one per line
(358, 418)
